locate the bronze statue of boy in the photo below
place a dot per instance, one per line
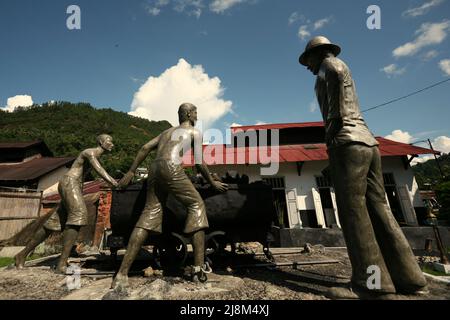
(167, 176)
(372, 234)
(71, 213)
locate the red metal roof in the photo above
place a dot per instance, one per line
(88, 188)
(220, 154)
(393, 148)
(32, 169)
(278, 126)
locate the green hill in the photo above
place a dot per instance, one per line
(428, 175)
(428, 172)
(67, 128)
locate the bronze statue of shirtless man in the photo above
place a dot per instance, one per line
(71, 213)
(167, 176)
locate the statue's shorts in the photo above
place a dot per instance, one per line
(72, 209)
(166, 177)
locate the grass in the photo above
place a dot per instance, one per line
(7, 261)
(430, 270)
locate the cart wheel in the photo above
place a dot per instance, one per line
(216, 244)
(170, 252)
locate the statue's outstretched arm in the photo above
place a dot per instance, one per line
(99, 169)
(142, 154)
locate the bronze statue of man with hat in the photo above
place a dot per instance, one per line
(372, 235)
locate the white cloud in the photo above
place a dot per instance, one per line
(430, 55)
(136, 80)
(421, 159)
(154, 11)
(159, 97)
(191, 7)
(303, 32)
(294, 17)
(234, 124)
(400, 136)
(423, 9)
(196, 12)
(393, 70)
(428, 34)
(18, 101)
(445, 66)
(260, 123)
(313, 106)
(441, 144)
(220, 6)
(153, 7)
(321, 23)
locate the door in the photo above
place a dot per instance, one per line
(293, 214)
(318, 207)
(408, 209)
(336, 214)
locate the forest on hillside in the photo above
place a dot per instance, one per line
(67, 128)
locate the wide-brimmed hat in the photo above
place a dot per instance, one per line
(316, 42)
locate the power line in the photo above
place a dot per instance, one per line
(407, 96)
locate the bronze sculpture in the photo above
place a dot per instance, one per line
(71, 213)
(167, 176)
(372, 234)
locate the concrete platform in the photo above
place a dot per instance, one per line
(335, 238)
(10, 252)
(156, 289)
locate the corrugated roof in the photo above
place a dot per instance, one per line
(393, 148)
(278, 126)
(17, 145)
(292, 153)
(32, 169)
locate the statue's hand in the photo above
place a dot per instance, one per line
(219, 186)
(126, 179)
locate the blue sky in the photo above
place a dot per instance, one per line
(248, 52)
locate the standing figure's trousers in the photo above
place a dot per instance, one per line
(372, 234)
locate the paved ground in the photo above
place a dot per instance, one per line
(226, 282)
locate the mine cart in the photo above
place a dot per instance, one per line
(245, 213)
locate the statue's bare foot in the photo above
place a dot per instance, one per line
(19, 261)
(341, 293)
(120, 283)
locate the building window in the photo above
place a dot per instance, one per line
(393, 197)
(324, 186)
(279, 199)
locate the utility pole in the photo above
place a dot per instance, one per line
(436, 159)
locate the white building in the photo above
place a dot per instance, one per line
(303, 196)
